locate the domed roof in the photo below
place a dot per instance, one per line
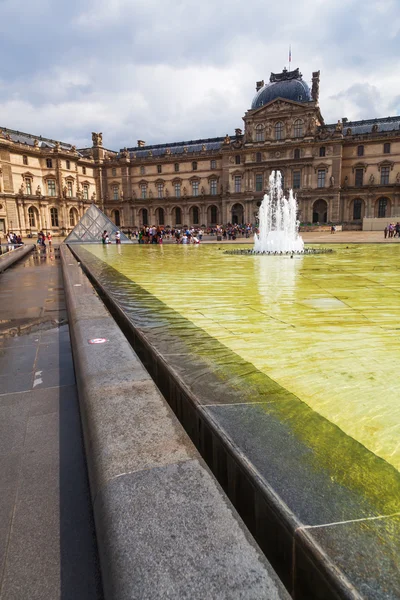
(288, 85)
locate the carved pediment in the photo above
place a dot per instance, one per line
(280, 105)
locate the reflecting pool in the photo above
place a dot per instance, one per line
(325, 327)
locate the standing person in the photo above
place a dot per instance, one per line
(386, 231)
(49, 238)
(118, 237)
(104, 235)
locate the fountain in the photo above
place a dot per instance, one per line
(278, 230)
(278, 224)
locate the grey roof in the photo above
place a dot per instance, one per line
(178, 147)
(362, 127)
(28, 139)
(293, 89)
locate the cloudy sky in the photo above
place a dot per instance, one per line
(172, 70)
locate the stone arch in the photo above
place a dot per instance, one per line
(73, 216)
(212, 214)
(237, 214)
(177, 216)
(143, 217)
(160, 216)
(116, 215)
(357, 209)
(383, 207)
(194, 215)
(33, 217)
(320, 211)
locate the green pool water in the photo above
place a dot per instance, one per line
(326, 327)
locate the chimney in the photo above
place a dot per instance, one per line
(315, 86)
(259, 85)
(141, 143)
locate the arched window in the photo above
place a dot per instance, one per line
(357, 209)
(160, 216)
(178, 216)
(298, 128)
(258, 157)
(213, 214)
(278, 130)
(145, 216)
(297, 153)
(259, 133)
(195, 215)
(73, 217)
(117, 218)
(54, 217)
(382, 207)
(32, 216)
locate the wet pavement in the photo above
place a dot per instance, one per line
(47, 541)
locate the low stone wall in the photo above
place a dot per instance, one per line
(8, 259)
(165, 529)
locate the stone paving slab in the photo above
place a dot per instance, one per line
(47, 542)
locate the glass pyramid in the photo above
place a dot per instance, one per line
(91, 226)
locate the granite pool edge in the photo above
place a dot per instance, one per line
(120, 482)
(261, 508)
(10, 258)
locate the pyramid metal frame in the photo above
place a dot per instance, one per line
(91, 226)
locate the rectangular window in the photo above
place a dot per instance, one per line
(159, 168)
(194, 165)
(296, 180)
(49, 163)
(160, 190)
(28, 183)
(237, 159)
(259, 134)
(177, 190)
(360, 150)
(68, 164)
(386, 148)
(238, 183)
(143, 189)
(213, 164)
(142, 170)
(195, 188)
(113, 171)
(51, 187)
(69, 189)
(359, 177)
(321, 178)
(83, 170)
(385, 175)
(115, 192)
(213, 187)
(259, 182)
(86, 192)
(25, 160)
(322, 151)
(176, 167)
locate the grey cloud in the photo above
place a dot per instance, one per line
(181, 69)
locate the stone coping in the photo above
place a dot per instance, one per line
(165, 528)
(10, 258)
(324, 509)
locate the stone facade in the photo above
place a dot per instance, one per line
(341, 173)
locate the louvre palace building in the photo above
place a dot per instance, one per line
(346, 172)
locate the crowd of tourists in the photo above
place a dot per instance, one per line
(391, 230)
(189, 235)
(42, 238)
